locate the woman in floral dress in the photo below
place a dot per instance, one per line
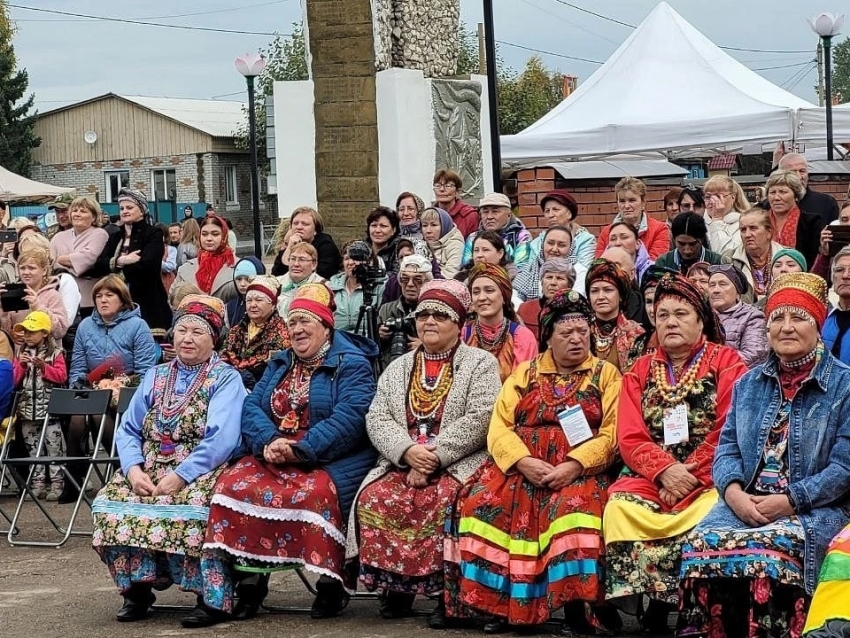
(429, 424)
(182, 425)
(527, 528)
(670, 412)
(750, 567)
(286, 503)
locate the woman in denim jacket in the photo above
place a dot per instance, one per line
(782, 468)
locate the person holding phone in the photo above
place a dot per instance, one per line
(833, 238)
(37, 290)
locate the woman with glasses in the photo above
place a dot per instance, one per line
(631, 207)
(692, 200)
(743, 324)
(448, 188)
(724, 202)
(690, 241)
(302, 261)
(754, 257)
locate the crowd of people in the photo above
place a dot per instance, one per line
(650, 421)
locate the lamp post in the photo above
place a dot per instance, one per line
(492, 79)
(251, 65)
(827, 26)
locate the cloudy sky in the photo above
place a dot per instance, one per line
(72, 58)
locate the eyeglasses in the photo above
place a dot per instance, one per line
(439, 317)
(444, 186)
(301, 260)
(404, 280)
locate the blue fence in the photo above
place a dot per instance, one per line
(163, 211)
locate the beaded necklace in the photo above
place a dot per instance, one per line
(294, 392)
(672, 392)
(603, 336)
(427, 392)
(761, 275)
(558, 390)
(172, 406)
(494, 346)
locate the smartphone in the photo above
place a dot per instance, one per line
(840, 239)
(8, 236)
(12, 299)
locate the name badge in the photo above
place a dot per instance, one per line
(575, 426)
(676, 425)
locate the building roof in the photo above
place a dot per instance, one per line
(722, 162)
(218, 118)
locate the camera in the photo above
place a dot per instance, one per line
(402, 329)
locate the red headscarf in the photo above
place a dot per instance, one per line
(209, 263)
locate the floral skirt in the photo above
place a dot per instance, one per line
(744, 582)
(401, 533)
(269, 517)
(832, 597)
(521, 552)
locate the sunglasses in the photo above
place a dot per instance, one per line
(439, 317)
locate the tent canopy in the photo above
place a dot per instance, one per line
(626, 106)
(812, 124)
(14, 188)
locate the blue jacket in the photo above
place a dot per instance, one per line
(128, 336)
(830, 333)
(818, 451)
(7, 387)
(341, 391)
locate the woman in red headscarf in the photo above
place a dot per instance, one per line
(495, 327)
(212, 269)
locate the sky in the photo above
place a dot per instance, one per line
(70, 59)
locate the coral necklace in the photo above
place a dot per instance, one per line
(673, 393)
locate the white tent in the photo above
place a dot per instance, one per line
(14, 188)
(629, 106)
(812, 124)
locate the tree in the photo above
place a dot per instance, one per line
(841, 71)
(17, 119)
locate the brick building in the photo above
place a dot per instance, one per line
(177, 151)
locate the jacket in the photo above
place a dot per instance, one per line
(127, 336)
(348, 304)
(143, 278)
(222, 286)
(654, 234)
(581, 250)
(463, 430)
(818, 449)
(821, 204)
(465, 216)
(738, 257)
(47, 299)
(341, 390)
(329, 260)
(234, 309)
(808, 234)
(724, 234)
(517, 243)
(35, 385)
(830, 333)
(673, 260)
(288, 288)
(746, 331)
(185, 252)
(83, 249)
(448, 251)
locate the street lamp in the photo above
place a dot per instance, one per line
(492, 94)
(827, 26)
(251, 65)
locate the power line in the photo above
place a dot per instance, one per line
(180, 15)
(783, 66)
(558, 55)
(148, 24)
(570, 22)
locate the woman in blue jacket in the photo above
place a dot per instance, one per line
(305, 429)
(782, 472)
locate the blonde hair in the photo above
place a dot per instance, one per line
(789, 179)
(286, 222)
(87, 203)
(631, 184)
(191, 232)
(430, 215)
(19, 223)
(180, 291)
(729, 185)
(39, 256)
(34, 241)
(304, 247)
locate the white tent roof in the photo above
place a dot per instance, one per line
(626, 106)
(812, 124)
(14, 188)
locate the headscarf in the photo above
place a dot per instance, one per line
(680, 287)
(652, 276)
(796, 255)
(497, 274)
(135, 196)
(604, 270)
(210, 263)
(414, 228)
(445, 295)
(563, 306)
(267, 285)
(314, 301)
(202, 310)
(800, 293)
(733, 274)
(446, 222)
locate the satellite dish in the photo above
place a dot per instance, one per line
(90, 137)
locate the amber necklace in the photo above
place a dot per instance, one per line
(427, 393)
(663, 373)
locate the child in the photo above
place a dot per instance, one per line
(39, 367)
(246, 269)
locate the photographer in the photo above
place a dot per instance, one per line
(396, 328)
(348, 291)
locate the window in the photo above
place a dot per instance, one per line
(164, 185)
(231, 191)
(115, 181)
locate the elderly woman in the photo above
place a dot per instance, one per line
(76, 250)
(556, 244)
(698, 276)
(41, 292)
(559, 208)
(671, 409)
(625, 236)
(743, 324)
(302, 270)
(750, 567)
(631, 206)
(429, 424)
(608, 289)
(287, 503)
(444, 240)
(555, 274)
(527, 528)
(409, 208)
(259, 335)
(305, 225)
(180, 429)
(792, 227)
(136, 255)
(724, 202)
(212, 269)
(754, 257)
(495, 327)
(690, 244)
(448, 193)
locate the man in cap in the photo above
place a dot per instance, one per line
(496, 216)
(63, 218)
(415, 271)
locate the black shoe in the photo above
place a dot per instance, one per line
(203, 616)
(396, 605)
(136, 607)
(654, 619)
(69, 494)
(250, 597)
(437, 619)
(330, 600)
(496, 626)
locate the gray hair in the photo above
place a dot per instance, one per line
(789, 179)
(559, 265)
(844, 252)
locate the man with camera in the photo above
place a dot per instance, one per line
(396, 326)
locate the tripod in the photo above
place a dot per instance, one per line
(367, 324)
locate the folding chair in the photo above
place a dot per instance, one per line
(62, 403)
(9, 437)
(311, 588)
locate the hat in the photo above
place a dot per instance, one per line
(314, 301)
(248, 267)
(564, 305)
(604, 270)
(36, 321)
(416, 262)
(203, 310)
(62, 202)
(733, 274)
(497, 274)
(796, 255)
(135, 196)
(269, 286)
(563, 198)
(445, 295)
(800, 293)
(495, 199)
(680, 287)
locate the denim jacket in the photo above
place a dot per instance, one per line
(818, 451)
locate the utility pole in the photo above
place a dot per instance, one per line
(482, 50)
(492, 94)
(821, 91)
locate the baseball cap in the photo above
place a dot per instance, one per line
(62, 201)
(35, 322)
(495, 199)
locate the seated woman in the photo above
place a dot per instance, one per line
(444, 240)
(555, 274)
(792, 226)
(409, 208)
(347, 291)
(750, 567)
(608, 289)
(647, 343)
(624, 235)
(698, 276)
(754, 256)
(181, 427)
(495, 327)
(555, 245)
(305, 225)
(788, 260)
(287, 502)
(302, 270)
(259, 335)
(559, 208)
(743, 324)
(429, 424)
(671, 409)
(690, 244)
(631, 206)
(488, 247)
(527, 527)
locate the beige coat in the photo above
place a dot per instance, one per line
(461, 443)
(223, 286)
(449, 251)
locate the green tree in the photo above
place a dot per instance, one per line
(17, 119)
(841, 70)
